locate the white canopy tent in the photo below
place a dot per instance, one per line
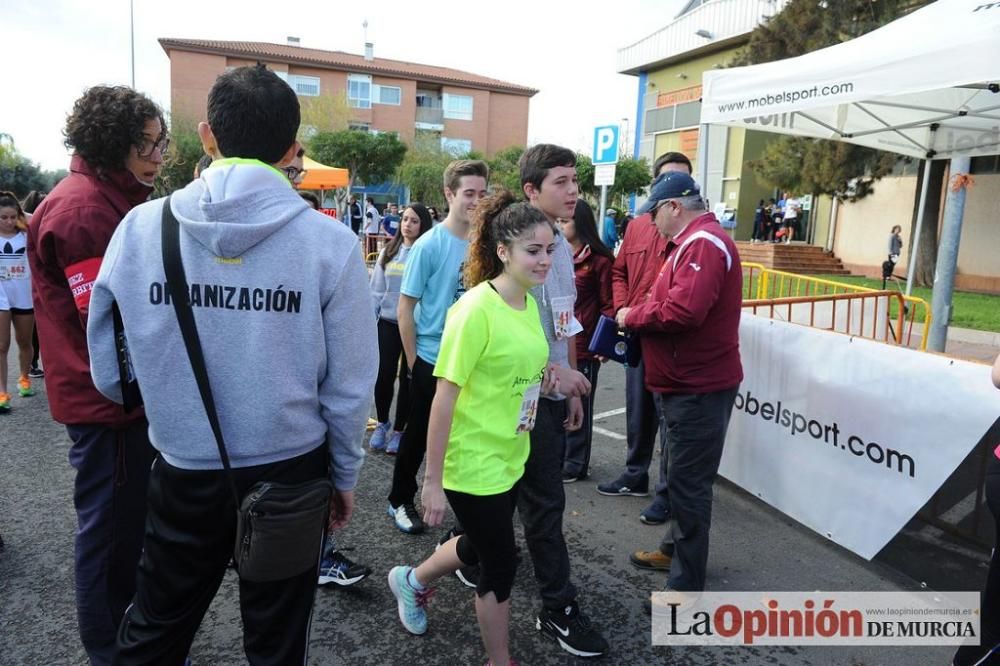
(925, 86)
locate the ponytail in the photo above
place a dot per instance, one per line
(497, 220)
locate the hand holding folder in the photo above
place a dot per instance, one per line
(610, 342)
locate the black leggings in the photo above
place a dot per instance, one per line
(391, 363)
(488, 539)
(989, 621)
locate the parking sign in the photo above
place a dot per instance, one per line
(605, 144)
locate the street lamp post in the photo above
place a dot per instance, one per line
(131, 37)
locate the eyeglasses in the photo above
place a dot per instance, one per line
(146, 149)
(294, 174)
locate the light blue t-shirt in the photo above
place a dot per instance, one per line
(433, 275)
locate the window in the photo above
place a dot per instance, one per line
(307, 86)
(985, 164)
(458, 107)
(359, 127)
(388, 95)
(359, 91)
(456, 147)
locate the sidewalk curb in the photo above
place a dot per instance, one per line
(990, 338)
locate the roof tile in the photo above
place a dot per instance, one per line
(345, 61)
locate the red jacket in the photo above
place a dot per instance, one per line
(689, 327)
(639, 257)
(67, 237)
(593, 296)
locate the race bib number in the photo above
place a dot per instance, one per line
(13, 268)
(529, 409)
(563, 321)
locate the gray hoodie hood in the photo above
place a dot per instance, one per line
(233, 207)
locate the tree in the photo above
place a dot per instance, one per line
(504, 172)
(182, 157)
(325, 113)
(631, 176)
(422, 171)
(370, 158)
(20, 175)
(8, 153)
(796, 164)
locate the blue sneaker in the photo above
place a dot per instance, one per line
(410, 601)
(392, 448)
(377, 442)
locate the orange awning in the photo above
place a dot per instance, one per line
(322, 177)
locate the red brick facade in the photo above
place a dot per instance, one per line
(499, 109)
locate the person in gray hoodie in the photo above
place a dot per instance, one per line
(279, 294)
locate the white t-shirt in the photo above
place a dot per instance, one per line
(373, 221)
(15, 276)
(792, 207)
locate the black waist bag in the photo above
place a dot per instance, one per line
(279, 527)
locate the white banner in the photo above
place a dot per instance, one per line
(850, 437)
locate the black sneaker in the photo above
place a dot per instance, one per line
(572, 630)
(340, 570)
(469, 575)
(35, 372)
(619, 488)
(406, 518)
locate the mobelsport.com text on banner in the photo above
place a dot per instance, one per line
(815, 618)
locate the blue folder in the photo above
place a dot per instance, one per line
(608, 341)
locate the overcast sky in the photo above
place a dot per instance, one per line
(55, 49)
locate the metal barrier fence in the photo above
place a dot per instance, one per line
(761, 283)
(864, 315)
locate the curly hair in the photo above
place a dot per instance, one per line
(498, 220)
(8, 200)
(106, 122)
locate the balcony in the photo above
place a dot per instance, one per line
(430, 115)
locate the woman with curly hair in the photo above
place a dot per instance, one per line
(118, 138)
(15, 296)
(490, 372)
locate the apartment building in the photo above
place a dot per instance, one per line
(457, 110)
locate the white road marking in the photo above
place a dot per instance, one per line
(608, 433)
(613, 412)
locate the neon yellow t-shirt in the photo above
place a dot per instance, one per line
(495, 354)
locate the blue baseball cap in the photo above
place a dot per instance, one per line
(669, 185)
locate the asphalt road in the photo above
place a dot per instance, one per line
(754, 548)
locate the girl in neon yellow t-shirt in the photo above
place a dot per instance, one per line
(490, 371)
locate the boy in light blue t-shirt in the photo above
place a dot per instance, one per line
(432, 282)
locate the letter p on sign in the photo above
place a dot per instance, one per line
(605, 145)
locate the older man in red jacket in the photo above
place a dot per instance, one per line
(689, 330)
(118, 138)
(639, 258)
